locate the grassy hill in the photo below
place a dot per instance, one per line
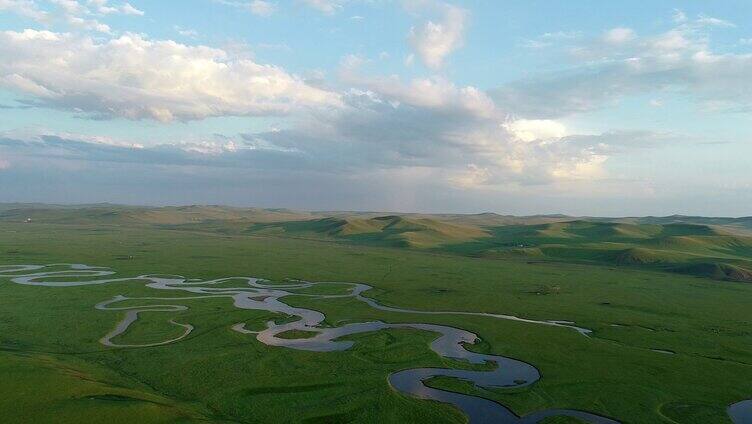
(116, 214)
(388, 230)
(719, 248)
(695, 249)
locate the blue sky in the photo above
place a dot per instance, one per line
(577, 107)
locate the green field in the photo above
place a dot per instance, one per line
(678, 284)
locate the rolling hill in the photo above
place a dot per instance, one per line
(388, 230)
(718, 248)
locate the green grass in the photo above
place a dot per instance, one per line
(151, 327)
(388, 230)
(296, 334)
(719, 248)
(48, 334)
(43, 388)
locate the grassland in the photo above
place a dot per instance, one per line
(52, 367)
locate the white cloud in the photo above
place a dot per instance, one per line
(72, 7)
(88, 24)
(26, 8)
(585, 168)
(432, 40)
(73, 13)
(454, 133)
(550, 38)
(77, 15)
(261, 8)
(620, 64)
(328, 7)
(619, 35)
(427, 126)
(470, 178)
(432, 93)
(282, 47)
(105, 8)
(185, 32)
(561, 35)
(670, 41)
(711, 21)
(257, 7)
(135, 77)
(127, 9)
(679, 16)
(535, 44)
(536, 129)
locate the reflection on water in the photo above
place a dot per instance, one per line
(741, 412)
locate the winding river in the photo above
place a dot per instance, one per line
(258, 294)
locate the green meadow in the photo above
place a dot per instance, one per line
(642, 285)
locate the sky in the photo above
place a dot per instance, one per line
(537, 107)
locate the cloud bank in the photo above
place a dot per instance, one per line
(622, 63)
(134, 77)
(355, 136)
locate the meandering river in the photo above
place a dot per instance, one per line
(258, 294)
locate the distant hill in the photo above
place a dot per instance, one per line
(713, 251)
(718, 248)
(742, 223)
(388, 230)
(116, 214)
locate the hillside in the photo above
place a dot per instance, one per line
(719, 248)
(117, 214)
(388, 230)
(703, 250)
